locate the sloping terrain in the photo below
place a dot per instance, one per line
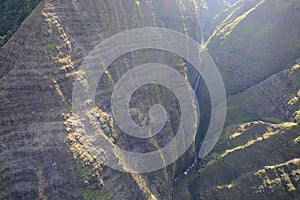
(252, 160)
(255, 44)
(212, 13)
(275, 99)
(41, 156)
(252, 42)
(256, 159)
(257, 156)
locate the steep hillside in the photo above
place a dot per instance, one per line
(252, 43)
(275, 99)
(253, 160)
(41, 155)
(209, 12)
(256, 159)
(256, 45)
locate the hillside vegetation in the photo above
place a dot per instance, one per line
(12, 14)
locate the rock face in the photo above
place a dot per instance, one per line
(41, 155)
(255, 44)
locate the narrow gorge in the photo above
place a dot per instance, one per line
(256, 47)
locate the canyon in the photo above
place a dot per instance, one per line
(254, 43)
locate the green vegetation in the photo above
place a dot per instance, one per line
(108, 32)
(50, 46)
(70, 107)
(13, 13)
(88, 194)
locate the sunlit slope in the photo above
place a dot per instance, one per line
(256, 159)
(253, 160)
(212, 13)
(256, 43)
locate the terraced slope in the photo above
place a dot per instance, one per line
(41, 157)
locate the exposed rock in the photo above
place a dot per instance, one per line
(38, 67)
